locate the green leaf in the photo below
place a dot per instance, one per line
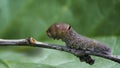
(95, 17)
(24, 18)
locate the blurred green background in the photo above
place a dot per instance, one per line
(98, 19)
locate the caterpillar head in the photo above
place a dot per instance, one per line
(58, 30)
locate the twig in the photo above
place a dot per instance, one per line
(33, 43)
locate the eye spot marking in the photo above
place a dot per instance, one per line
(69, 27)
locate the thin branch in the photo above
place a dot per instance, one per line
(33, 43)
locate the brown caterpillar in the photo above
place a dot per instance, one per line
(74, 40)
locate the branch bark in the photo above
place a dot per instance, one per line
(34, 43)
